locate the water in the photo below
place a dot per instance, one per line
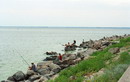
(32, 43)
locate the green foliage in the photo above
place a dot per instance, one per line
(125, 58)
(115, 70)
(113, 74)
(61, 78)
(125, 40)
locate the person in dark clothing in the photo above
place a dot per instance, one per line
(74, 42)
(33, 67)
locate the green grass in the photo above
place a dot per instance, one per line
(115, 71)
(96, 63)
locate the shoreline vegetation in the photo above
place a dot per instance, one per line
(103, 60)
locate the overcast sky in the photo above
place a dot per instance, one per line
(88, 13)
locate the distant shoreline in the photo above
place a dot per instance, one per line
(62, 27)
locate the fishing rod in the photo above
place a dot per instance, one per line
(23, 58)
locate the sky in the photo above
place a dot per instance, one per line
(84, 13)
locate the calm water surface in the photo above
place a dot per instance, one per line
(32, 43)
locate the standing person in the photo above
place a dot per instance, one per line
(33, 67)
(83, 41)
(60, 57)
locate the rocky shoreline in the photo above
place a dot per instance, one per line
(50, 67)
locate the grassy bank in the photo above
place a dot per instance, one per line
(114, 65)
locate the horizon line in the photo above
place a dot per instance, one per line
(66, 26)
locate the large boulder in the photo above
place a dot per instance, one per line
(114, 50)
(115, 42)
(43, 65)
(11, 78)
(34, 77)
(97, 45)
(53, 67)
(85, 54)
(49, 75)
(77, 60)
(105, 43)
(70, 48)
(3, 81)
(43, 71)
(67, 62)
(84, 45)
(80, 55)
(72, 57)
(19, 76)
(42, 79)
(71, 62)
(64, 66)
(51, 53)
(30, 73)
(51, 58)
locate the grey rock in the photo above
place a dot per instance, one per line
(72, 56)
(88, 52)
(77, 60)
(72, 78)
(34, 77)
(30, 73)
(114, 50)
(19, 76)
(115, 42)
(80, 54)
(43, 79)
(11, 78)
(44, 64)
(64, 66)
(55, 68)
(97, 45)
(51, 53)
(50, 74)
(43, 71)
(70, 48)
(51, 58)
(105, 43)
(27, 81)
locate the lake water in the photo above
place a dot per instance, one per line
(32, 43)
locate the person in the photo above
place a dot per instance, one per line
(33, 67)
(60, 57)
(83, 41)
(68, 44)
(74, 42)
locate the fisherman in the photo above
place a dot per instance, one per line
(60, 57)
(33, 67)
(68, 44)
(83, 41)
(74, 42)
